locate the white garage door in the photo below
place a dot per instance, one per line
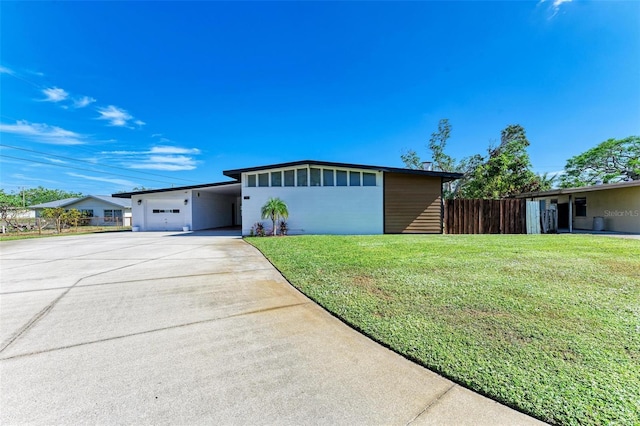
(165, 215)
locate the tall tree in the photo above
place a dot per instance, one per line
(274, 209)
(506, 171)
(441, 160)
(614, 160)
(437, 144)
(10, 200)
(411, 159)
(31, 196)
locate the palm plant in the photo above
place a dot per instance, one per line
(274, 209)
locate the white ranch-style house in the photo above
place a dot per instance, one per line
(322, 198)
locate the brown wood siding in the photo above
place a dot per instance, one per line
(412, 204)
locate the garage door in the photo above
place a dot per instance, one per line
(165, 215)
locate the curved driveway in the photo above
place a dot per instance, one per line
(194, 328)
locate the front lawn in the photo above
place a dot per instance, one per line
(547, 324)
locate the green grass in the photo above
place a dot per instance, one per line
(548, 324)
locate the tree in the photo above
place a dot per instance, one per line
(41, 195)
(72, 217)
(411, 159)
(32, 196)
(135, 189)
(274, 209)
(441, 161)
(506, 171)
(437, 143)
(57, 214)
(10, 200)
(614, 160)
(11, 215)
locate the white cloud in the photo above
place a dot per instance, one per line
(166, 163)
(121, 182)
(555, 6)
(173, 150)
(43, 133)
(118, 117)
(557, 3)
(114, 115)
(55, 94)
(5, 70)
(83, 101)
(23, 177)
(56, 161)
(167, 158)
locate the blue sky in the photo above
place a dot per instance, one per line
(102, 97)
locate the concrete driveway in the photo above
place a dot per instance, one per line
(194, 328)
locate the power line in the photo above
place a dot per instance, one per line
(85, 170)
(88, 162)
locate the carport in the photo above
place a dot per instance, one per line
(196, 207)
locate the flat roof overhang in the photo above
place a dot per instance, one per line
(226, 188)
(446, 176)
(592, 188)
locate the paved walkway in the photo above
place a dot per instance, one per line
(161, 328)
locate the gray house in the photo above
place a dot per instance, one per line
(101, 210)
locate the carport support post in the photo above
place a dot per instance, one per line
(570, 214)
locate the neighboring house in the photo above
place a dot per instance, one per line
(608, 207)
(99, 209)
(322, 198)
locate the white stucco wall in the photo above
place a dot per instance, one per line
(319, 209)
(211, 210)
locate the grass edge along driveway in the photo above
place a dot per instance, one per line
(547, 324)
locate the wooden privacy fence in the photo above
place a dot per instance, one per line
(485, 216)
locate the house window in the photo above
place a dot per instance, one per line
(581, 207)
(263, 179)
(289, 178)
(86, 212)
(327, 177)
(276, 178)
(368, 179)
(314, 177)
(354, 178)
(341, 178)
(302, 177)
(251, 180)
(113, 216)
